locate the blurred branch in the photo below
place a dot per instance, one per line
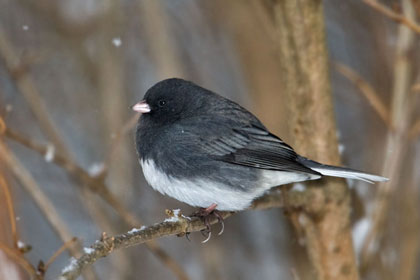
(17, 252)
(17, 256)
(408, 233)
(367, 90)
(303, 57)
(31, 186)
(128, 125)
(397, 140)
(393, 15)
(60, 250)
(176, 225)
(27, 87)
(95, 184)
(160, 39)
(12, 216)
(42, 201)
(98, 186)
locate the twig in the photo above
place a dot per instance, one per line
(393, 15)
(17, 256)
(368, 92)
(59, 251)
(32, 187)
(179, 226)
(12, 216)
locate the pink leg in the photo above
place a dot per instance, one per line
(211, 208)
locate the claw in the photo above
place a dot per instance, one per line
(208, 237)
(221, 222)
(223, 227)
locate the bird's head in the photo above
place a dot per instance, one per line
(172, 99)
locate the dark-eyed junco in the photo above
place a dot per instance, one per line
(207, 151)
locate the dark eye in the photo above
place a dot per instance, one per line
(162, 103)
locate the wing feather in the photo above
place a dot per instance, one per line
(255, 147)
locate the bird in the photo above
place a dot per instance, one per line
(209, 152)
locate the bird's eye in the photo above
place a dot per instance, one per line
(162, 103)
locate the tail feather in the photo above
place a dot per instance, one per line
(335, 171)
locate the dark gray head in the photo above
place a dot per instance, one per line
(173, 99)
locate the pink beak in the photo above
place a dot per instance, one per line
(141, 107)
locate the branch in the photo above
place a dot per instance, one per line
(368, 92)
(17, 256)
(127, 126)
(175, 225)
(12, 216)
(60, 250)
(393, 15)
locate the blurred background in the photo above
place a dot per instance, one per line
(69, 70)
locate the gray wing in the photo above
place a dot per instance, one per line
(255, 147)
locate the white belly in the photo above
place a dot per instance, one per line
(203, 193)
(198, 192)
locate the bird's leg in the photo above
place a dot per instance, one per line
(210, 209)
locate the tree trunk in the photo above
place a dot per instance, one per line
(303, 56)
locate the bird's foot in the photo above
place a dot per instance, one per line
(205, 214)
